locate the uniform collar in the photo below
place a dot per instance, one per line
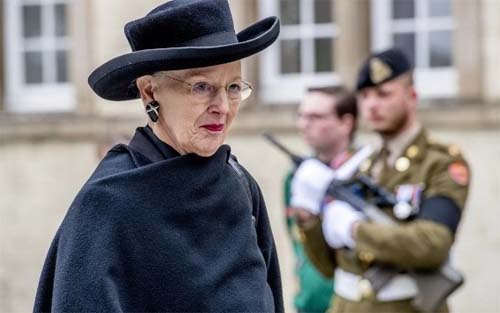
(412, 148)
(397, 145)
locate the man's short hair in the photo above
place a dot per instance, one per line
(344, 102)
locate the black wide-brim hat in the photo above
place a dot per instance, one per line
(180, 34)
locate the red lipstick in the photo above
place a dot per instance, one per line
(214, 127)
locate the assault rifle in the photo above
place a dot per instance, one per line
(433, 286)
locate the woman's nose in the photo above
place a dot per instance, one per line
(220, 102)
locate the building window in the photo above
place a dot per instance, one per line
(304, 53)
(424, 29)
(38, 46)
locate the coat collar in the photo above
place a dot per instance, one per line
(397, 146)
(151, 149)
(150, 146)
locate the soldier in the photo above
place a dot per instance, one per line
(327, 121)
(429, 176)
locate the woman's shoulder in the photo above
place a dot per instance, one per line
(119, 159)
(243, 172)
(109, 190)
(107, 184)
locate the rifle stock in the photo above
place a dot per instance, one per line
(434, 287)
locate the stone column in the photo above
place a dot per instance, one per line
(468, 44)
(245, 13)
(107, 40)
(79, 20)
(490, 47)
(353, 44)
(2, 60)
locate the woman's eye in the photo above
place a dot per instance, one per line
(202, 88)
(234, 88)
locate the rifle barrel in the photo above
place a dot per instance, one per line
(295, 158)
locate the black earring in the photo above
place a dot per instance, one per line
(152, 109)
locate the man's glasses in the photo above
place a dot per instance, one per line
(314, 116)
(204, 91)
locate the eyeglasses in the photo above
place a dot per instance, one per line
(204, 91)
(314, 116)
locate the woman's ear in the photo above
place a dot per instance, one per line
(145, 86)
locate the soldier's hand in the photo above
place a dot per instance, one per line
(309, 185)
(304, 218)
(339, 222)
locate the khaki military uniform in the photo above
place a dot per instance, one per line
(418, 244)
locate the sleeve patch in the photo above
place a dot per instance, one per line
(459, 173)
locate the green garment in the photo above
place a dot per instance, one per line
(315, 290)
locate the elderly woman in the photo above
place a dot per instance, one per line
(171, 222)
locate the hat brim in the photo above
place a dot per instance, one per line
(112, 80)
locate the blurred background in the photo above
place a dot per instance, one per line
(54, 130)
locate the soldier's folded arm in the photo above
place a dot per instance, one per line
(423, 243)
(416, 245)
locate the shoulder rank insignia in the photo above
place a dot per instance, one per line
(379, 71)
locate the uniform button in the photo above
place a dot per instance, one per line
(365, 289)
(366, 257)
(412, 151)
(365, 166)
(402, 164)
(302, 236)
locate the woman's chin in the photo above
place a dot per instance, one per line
(208, 149)
(206, 153)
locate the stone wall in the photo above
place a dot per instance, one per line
(37, 183)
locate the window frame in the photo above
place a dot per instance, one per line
(21, 97)
(436, 82)
(278, 88)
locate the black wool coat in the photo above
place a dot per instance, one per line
(153, 231)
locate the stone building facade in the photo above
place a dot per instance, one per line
(53, 129)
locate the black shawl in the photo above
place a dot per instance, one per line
(155, 231)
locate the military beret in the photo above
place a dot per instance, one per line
(381, 67)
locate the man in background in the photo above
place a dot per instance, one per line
(429, 180)
(327, 122)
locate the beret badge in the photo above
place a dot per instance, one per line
(379, 71)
